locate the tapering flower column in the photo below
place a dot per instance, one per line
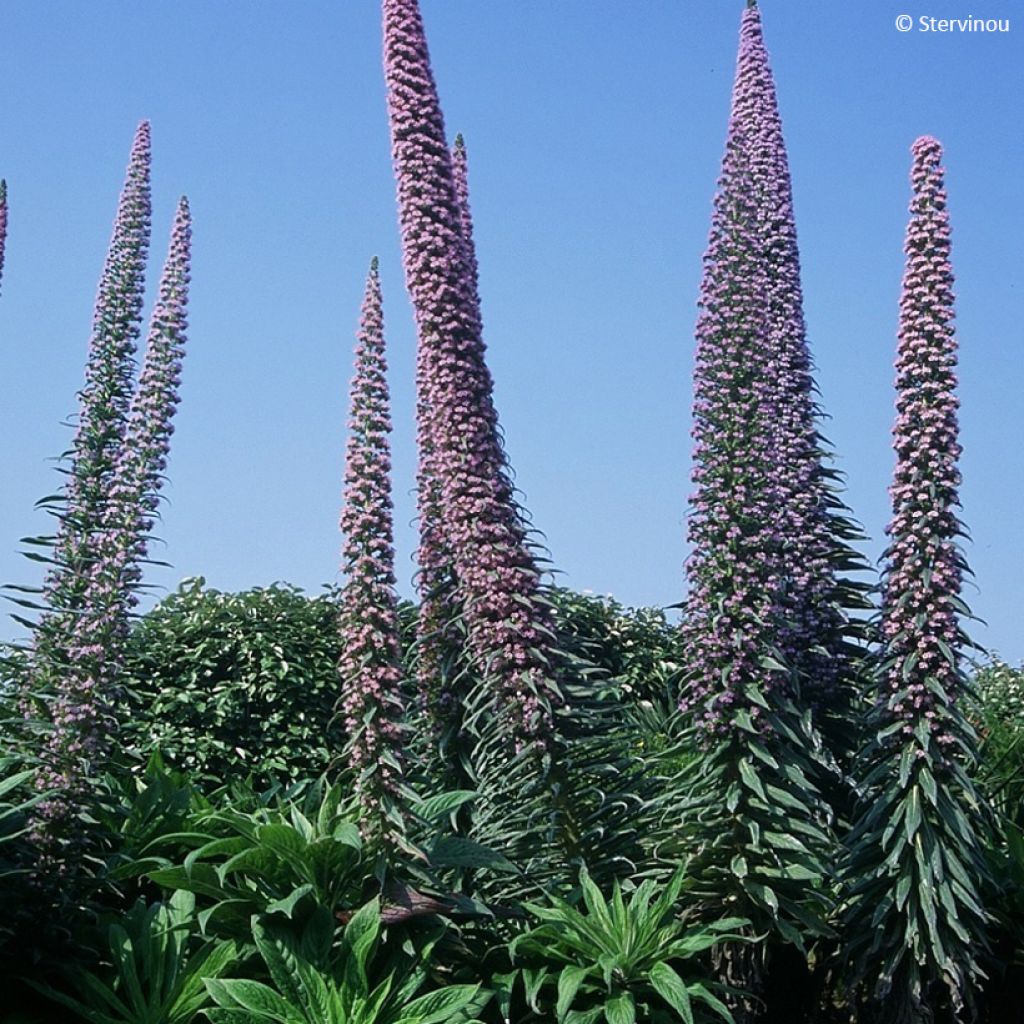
(370, 665)
(916, 927)
(811, 527)
(497, 577)
(142, 459)
(439, 660)
(68, 658)
(3, 224)
(760, 833)
(109, 385)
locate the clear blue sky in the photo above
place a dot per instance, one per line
(595, 131)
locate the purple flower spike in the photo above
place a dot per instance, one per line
(766, 531)
(70, 659)
(914, 770)
(463, 470)
(3, 224)
(370, 665)
(733, 600)
(142, 460)
(924, 568)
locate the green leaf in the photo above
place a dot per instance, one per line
(456, 852)
(672, 989)
(703, 994)
(569, 982)
(443, 803)
(751, 779)
(287, 905)
(913, 813)
(620, 1009)
(445, 1004)
(254, 996)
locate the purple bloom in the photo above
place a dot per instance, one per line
(370, 665)
(464, 477)
(763, 528)
(70, 658)
(921, 738)
(734, 594)
(924, 570)
(3, 224)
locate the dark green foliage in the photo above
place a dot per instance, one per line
(315, 981)
(997, 711)
(157, 967)
(916, 869)
(620, 959)
(638, 649)
(228, 683)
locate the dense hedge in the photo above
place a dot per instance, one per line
(225, 684)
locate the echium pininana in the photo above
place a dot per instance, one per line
(3, 224)
(98, 629)
(142, 460)
(370, 665)
(808, 522)
(916, 928)
(733, 597)
(67, 662)
(497, 576)
(755, 783)
(439, 641)
(104, 402)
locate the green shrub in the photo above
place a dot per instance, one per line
(997, 709)
(224, 684)
(638, 648)
(620, 959)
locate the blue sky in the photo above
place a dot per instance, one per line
(595, 130)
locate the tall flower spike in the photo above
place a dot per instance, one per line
(3, 224)
(135, 497)
(918, 915)
(370, 665)
(109, 383)
(498, 579)
(807, 521)
(70, 657)
(755, 783)
(439, 658)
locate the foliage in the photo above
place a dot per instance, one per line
(313, 983)
(157, 969)
(243, 854)
(637, 649)
(620, 958)
(222, 683)
(16, 801)
(916, 869)
(996, 707)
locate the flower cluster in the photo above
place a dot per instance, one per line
(921, 632)
(464, 474)
(762, 583)
(733, 600)
(370, 663)
(71, 657)
(801, 507)
(902, 910)
(138, 474)
(3, 224)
